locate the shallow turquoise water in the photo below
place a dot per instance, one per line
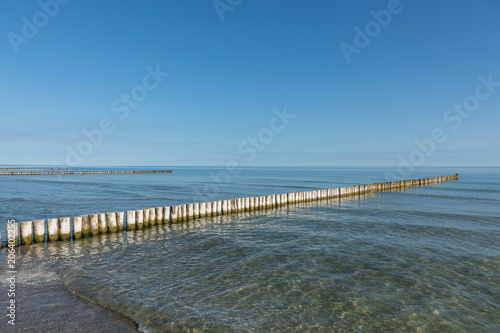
(421, 259)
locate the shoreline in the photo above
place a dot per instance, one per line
(43, 301)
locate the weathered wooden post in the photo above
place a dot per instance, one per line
(224, 207)
(269, 201)
(166, 214)
(102, 227)
(190, 212)
(208, 208)
(218, 208)
(53, 229)
(278, 200)
(145, 217)
(77, 227)
(251, 204)
(203, 209)
(64, 228)
(243, 204)
(26, 232)
(111, 217)
(119, 220)
(139, 219)
(93, 224)
(85, 226)
(184, 213)
(152, 216)
(283, 199)
(196, 210)
(159, 216)
(173, 214)
(39, 231)
(130, 219)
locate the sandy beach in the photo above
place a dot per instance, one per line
(43, 304)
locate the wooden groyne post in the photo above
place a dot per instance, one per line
(26, 232)
(39, 231)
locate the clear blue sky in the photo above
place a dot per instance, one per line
(227, 76)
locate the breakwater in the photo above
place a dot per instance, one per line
(67, 228)
(24, 172)
(33, 169)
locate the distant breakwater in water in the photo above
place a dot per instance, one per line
(65, 228)
(38, 172)
(33, 169)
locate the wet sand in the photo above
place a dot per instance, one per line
(53, 309)
(43, 304)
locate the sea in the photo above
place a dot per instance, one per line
(417, 259)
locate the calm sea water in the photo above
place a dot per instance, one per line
(421, 259)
